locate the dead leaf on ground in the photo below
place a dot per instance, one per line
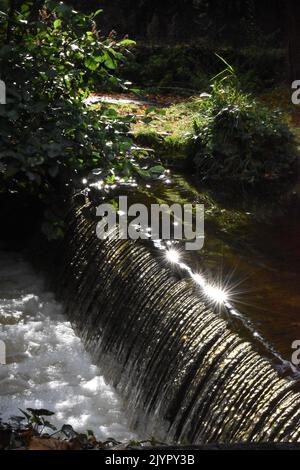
(38, 443)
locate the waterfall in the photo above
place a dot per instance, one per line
(185, 374)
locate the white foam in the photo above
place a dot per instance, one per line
(47, 366)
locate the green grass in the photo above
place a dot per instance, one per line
(226, 137)
(168, 130)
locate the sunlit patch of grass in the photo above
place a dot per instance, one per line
(124, 109)
(176, 120)
(170, 130)
(178, 131)
(166, 129)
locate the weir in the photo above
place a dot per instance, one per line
(185, 374)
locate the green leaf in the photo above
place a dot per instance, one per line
(49, 425)
(110, 61)
(225, 62)
(96, 13)
(127, 42)
(147, 120)
(143, 173)
(57, 24)
(40, 412)
(157, 170)
(91, 63)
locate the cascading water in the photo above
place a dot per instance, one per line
(47, 366)
(185, 374)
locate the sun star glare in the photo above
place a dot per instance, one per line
(217, 295)
(173, 256)
(214, 293)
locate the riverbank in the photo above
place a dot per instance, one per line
(185, 134)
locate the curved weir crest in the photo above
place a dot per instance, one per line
(186, 376)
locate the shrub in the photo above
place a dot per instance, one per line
(47, 134)
(238, 140)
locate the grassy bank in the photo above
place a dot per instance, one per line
(225, 136)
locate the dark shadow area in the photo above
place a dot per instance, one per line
(20, 218)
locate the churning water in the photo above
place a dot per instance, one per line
(47, 366)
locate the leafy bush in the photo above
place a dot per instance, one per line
(239, 140)
(47, 133)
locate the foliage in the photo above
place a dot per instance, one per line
(32, 436)
(231, 138)
(188, 20)
(238, 140)
(187, 68)
(48, 135)
(36, 419)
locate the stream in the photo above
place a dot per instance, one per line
(47, 366)
(252, 250)
(253, 253)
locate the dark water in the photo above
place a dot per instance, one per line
(274, 281)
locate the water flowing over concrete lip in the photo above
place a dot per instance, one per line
(186, 376)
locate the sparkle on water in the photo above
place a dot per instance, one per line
(215, 293)
(173, 256)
